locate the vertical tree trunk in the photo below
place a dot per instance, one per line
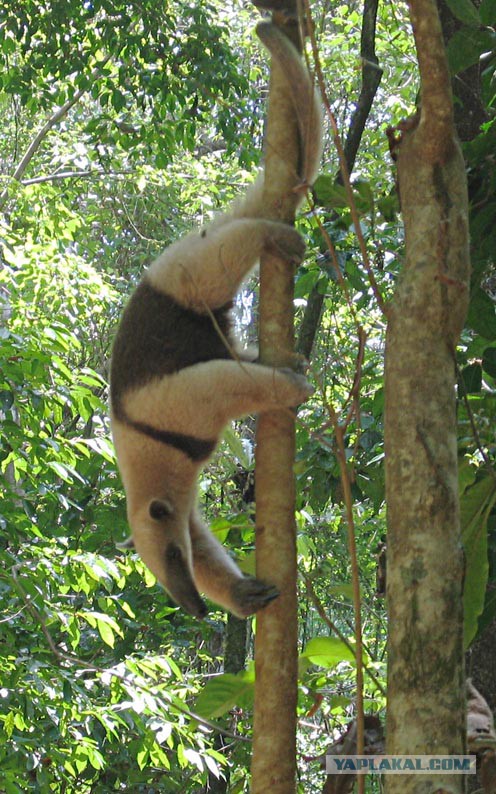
(234, 662)
(371, 78)
(274, 747)
(425, 563)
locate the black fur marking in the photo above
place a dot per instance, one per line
(196, 449)
(156, 337)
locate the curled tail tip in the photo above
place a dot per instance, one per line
(271, 35)
(303, 93)
(263, 29)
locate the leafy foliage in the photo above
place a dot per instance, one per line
(148, 95)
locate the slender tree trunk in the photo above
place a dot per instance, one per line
(371, 78)
(274, 747)
(234, 662)
(425, 562)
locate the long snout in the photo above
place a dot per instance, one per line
(179, 582)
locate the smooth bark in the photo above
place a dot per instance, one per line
(274, 747)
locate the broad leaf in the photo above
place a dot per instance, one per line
(328, 652)
(465, 11)
(223, 692)
(475, 506)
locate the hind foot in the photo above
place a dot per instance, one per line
(250, 594)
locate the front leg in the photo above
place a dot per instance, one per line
(218, 576)
(201, 399)
(205, 269)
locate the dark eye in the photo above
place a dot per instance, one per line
(159, 510)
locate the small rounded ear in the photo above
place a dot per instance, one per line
(126, 544)
(160, 509)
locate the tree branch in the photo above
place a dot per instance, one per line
(371, 78)
(39, 180)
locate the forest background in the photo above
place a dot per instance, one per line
(124, 125)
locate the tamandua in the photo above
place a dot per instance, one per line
(177, 378)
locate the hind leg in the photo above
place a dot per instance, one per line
(205, 269)
(199, 400)
(218, 576)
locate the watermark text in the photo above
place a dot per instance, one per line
(400, 764)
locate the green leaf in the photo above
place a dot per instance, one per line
(467, 473)
(66, 473)
(489, 361)
(328, 193)
(364, 196)
(345, 590)
(465, 11)
(158, 757)
(237, 448)
(489, 612)
(466, 46)
(487, 12)
(70, 768)
(8, 724)
(106, 633)
(482, 314)
(95, 758)
(73, 631)
(142, 757)
(389, 206)
(118, 100)
(6, 399)
(248, 563)
(223, 692)
(378, 403)
(306, 282)
(182, 760)
(328, 652)
(106, 626)
(19, 722)
(126, 608)
(472, 378)
(221, 528)
(354, 276)
(475, 507)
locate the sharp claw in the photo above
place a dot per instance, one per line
(251, 594)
